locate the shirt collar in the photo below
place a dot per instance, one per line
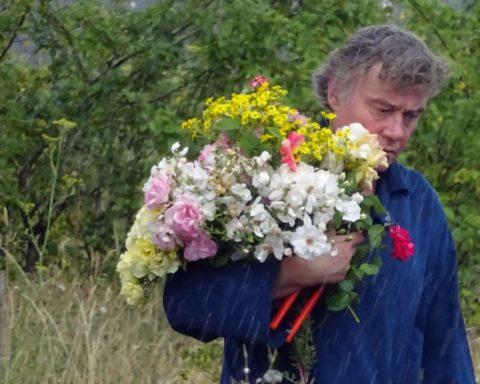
(394, 178)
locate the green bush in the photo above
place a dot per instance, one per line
(446, 146)
(101, 99)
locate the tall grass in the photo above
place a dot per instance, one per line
(60, 331)
(82, 332)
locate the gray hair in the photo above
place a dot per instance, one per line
(406, 61)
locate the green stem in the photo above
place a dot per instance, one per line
(55, 168)
(353, 313)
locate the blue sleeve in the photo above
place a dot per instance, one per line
(232, 301)
(446, 355)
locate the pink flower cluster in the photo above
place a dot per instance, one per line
(403, 246)
(182, 220)
(158, 191)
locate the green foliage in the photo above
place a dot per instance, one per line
(126, 80)
(84, 119)
(303, 354)
(446, 145)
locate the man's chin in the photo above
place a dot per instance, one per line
(391, 157)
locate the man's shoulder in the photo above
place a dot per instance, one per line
(419, 187)
(415, 181)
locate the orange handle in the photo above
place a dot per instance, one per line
(287, 303)
(304, 313)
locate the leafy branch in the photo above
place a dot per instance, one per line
(14, 35)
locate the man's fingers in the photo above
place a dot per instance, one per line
(358, 238)
(354, 238)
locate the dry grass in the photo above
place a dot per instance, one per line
(81, 332)
(60, 331)
(474, 338)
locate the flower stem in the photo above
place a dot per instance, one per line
(353, 313)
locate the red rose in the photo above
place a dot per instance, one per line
(403, 247)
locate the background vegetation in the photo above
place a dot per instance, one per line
(92, 94)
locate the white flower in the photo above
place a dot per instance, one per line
(272, 376)
(350, 210)
(295, 198)
(308, 242)
(357, 197)
(242, 191)
(208, 209)
(263, 158)
(362, 152)
(263, 223)
(235, 230)
(176, 146)
(165, 166)
(357, 131)
(234, 206)
(260, 181)
(271, 244)
(195, 174)
(320, 218)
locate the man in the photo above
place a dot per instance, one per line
(411, 327)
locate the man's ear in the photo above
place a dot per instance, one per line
(333, 97)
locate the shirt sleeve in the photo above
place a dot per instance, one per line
(446, 355)
(233, 301)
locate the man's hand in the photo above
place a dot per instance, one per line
(297, 273)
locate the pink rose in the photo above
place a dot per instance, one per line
(201, 247)
(206, 157)
(184, 217)
(258, 80)
(163, 237)
(157, 191)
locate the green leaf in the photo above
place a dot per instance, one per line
(346, 285)
(356, 273)
(248, 142)
(369, 269)
(375, 233)
(219, 261)
(275, 132)
(377, 260)
(338, 301)
(374, 202)
(227, 124)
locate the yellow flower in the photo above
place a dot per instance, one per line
(133, 292)
(267, 137)
(328, 116)
(363, 153)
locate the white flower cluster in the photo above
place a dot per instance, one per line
(294, 209)
(223, 197)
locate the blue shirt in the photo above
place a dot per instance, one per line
(411, 328)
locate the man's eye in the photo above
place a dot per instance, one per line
(412, 116)
(384, 110)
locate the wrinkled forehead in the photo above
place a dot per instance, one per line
(375, 82)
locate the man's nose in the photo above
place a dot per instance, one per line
(395, 129)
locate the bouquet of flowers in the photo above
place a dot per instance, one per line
(269, 182)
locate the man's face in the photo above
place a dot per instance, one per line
(382, 108)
